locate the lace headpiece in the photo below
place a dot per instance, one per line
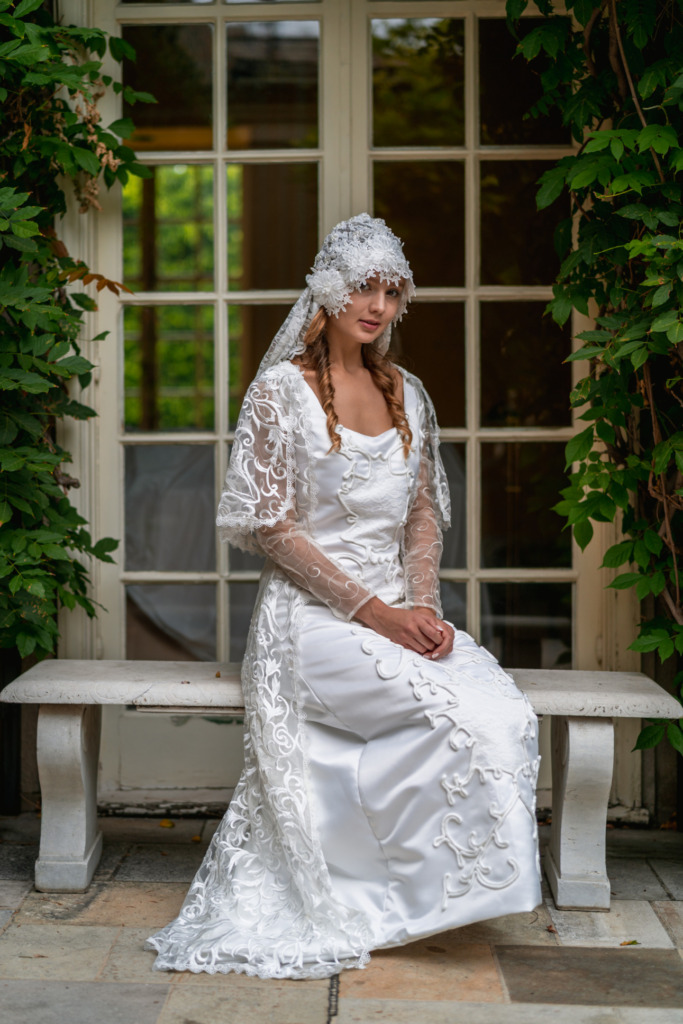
(354, 251)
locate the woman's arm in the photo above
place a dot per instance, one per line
(422, 546)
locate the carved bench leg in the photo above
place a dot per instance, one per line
(583, 752)
(68, 751)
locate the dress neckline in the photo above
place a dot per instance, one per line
(340, 426)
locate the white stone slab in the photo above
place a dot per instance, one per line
(195, 683)
(595, 694)
(626, 921)
(408, 1011)
(144, 683)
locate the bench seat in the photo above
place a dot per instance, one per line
(70, 692)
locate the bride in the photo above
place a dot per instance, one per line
(390, 763)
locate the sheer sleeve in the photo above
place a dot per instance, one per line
(422, 544)
(257, 510)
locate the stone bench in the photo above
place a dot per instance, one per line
(70, 693)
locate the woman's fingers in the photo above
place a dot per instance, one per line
(446, 645)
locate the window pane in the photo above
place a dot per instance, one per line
(454, 602)
(272, 224)
(175, 64)
(418, 82)
(272, 84)
(430, 342)
(168, 230)
(424, 203)
(528, 625)
(242, 598)
(520, 482)
(516, 238)
(168, 368)
(524, 381)
(170, 508)
(502, 110)
(455, 538)
(171, 622)
(250, 331)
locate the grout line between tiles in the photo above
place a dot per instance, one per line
(661, 881)
(501, 976)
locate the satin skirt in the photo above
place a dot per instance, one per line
(421, 778)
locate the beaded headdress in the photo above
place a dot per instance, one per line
(354, 251)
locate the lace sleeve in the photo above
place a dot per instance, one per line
(257, 510)
(422, 544)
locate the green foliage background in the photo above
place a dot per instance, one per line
(615, 71)
(50, 133)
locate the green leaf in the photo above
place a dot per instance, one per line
(675, 736)
(617, 555)
(86, 159)
(626, 580)
(653, 541)
(25, 642)
(583, 533)
(650, 736)
(26, 7)
(5, 512)
(579, 447)
(123, 127)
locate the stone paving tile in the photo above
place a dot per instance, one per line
(437, 968)
(47, 907)
(593, 977)
(671, 916)
(5, 918)
(129, 961)
(640, 842)
(135, 904)
(529, 929)
(394, 1011)
(113, 856)
(54, 951)
(632, 879)
(671, 874)
(258, 1002)
(13, 892)
(150, 830)
(154, 863)
(17, 861)
(54, 1002)
(627, 920)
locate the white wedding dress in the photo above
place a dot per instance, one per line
(385, 796)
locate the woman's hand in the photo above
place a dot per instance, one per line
(416, 629)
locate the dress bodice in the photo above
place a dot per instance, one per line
(362, 497)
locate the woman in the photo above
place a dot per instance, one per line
(390, 763)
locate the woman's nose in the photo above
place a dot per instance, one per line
(378, 301)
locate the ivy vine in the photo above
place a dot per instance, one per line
(51, 134)
(615, 72)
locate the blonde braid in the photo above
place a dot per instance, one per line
(380, 368)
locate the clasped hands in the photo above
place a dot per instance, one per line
(417, 629)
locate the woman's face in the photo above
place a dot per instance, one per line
(368, 312)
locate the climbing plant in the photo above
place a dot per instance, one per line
(615, 72)
(51, 139)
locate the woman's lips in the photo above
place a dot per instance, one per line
(371, 325)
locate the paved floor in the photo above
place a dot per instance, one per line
(79, 958)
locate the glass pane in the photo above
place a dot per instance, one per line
(170, 508)
(520, 482)
(502, 110)
(272, 224)
(168, 230)
(516, 238)
(430, 342)
(528, 625)
(175, 64)
(272, 84)
(418, 82)
(524, 381)
(171, 1)
(266, 1)
(250, 331)
(242, 597)
(168, 368)
(455, 538)
(454, 602)
(171, 622)
(424, 203)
